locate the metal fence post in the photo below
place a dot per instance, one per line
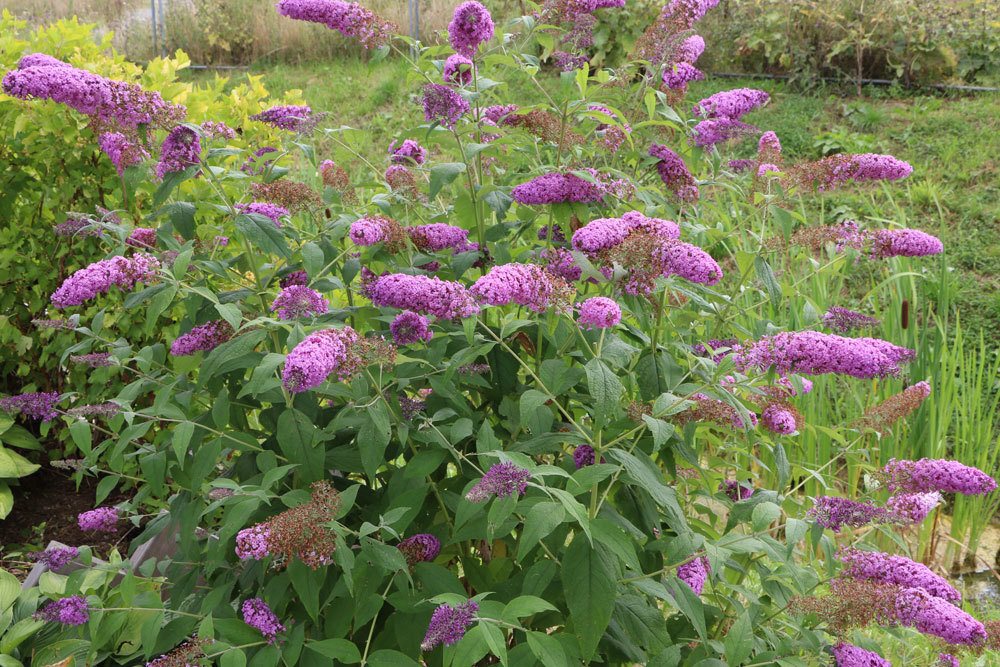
(414, 18)
(152, 18)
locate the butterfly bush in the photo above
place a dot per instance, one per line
(619, 368)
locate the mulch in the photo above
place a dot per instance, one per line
(46, 505)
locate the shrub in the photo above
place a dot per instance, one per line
(46, 143)
(480, 396)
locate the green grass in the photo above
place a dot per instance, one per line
(952, 142)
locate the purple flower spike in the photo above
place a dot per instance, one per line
(599, 313)
(298, 301)
(100, 520)
(449, 624)
(583, 456)
(348, 18)
(942, 475)
(470, 26)
(895, 571)
(849, 655)
(731, 103)
(420, 548)
(100, 277)
(180, 150)
(259, 616)
(815, 353)
(501, 480)
(409, 328)
(73, 610)
(34, 405)
(934, 616)
(443, 105)
(427, 295)
(695, 573)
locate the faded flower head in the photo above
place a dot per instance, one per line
(420, 548)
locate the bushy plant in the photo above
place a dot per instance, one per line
(47, 144)
(481, 398)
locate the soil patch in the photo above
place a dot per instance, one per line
(46, 505)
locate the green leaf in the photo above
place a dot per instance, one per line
(336, 649)
(530, 401)
(10, 589)
(689, 604)
(542, 519)
(739, 640)
(82, 437)
(297, 440)
(230, 312)
(230, 355)
(764, 515)
(181, 216)
(312, 259)
(170, 181)
(18, 632)
(644, 474)
(525, 605)
(443, 174)
(374, 436)
(495, 640)
(589, 584)
(766, 275)
(547, 649)
(13, 464)
(605, 388)
(6, 500)
(306, 583)
(263, 234)
(181, 439)
(389, 658)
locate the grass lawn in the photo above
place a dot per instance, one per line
(952, 142)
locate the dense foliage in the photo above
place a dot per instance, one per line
(552, 384)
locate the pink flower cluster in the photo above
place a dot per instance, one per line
(695, 573)
(113, 105)
(606, 233)
(409, 327)
(318, 356)
(674, 173)
(732, 104)
(349, 18)
(849, 655)
(100, 520)
(470, 26)
(942, 475)
(180, 150)
(599, 312)
(501, 480)
(100, 277)
(284, 117)
(443, 105)
(408, 152)
(428, 295)
(298, 301)
(557, 187)
(895, 571)
(524, 284)
(815, 353)
(202, 338)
